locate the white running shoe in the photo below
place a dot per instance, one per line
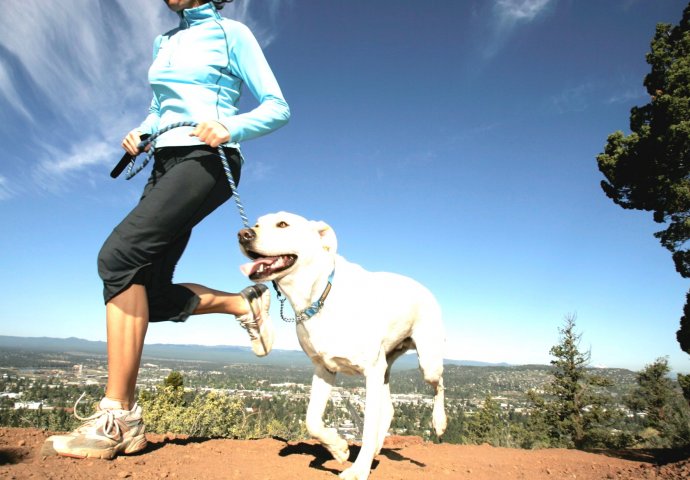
(105, 434)
(258, 322)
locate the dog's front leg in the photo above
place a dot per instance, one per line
(321, 386)
(372, 422)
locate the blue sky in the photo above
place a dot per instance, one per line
(452, 141)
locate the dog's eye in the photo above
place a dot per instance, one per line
(282, 224)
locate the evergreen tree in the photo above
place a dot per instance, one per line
(649, 169)
(666, 417)
(488, 425)
(574, 407)
(684, 382)
(174, 379)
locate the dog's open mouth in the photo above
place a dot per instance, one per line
(264, 267)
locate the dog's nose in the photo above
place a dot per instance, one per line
(246, 235)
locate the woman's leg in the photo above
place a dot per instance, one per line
(217, 301)
(117, 426)
(185, 186)
(127, 320)
(250, 308)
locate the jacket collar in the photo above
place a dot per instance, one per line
(200, 14)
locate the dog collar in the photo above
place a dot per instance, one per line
(310, 311)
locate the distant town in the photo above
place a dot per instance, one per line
(47, 374)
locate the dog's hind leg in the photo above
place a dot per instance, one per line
(430, 343)
(321, 386)
(438, 416)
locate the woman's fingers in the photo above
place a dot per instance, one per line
(131, 143)
(211, 133)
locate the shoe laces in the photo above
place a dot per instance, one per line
(249, 323)
(111, 428)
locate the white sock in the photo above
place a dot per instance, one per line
(110, 404)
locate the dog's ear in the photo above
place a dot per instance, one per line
(328, 238)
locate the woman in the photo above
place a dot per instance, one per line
(197, 74)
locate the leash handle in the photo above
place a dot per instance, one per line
(125, 160)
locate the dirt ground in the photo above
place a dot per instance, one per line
(403, 458)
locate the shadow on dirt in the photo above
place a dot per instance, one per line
(178, 440)
(321, 455)
(11, 456)
(655, 456)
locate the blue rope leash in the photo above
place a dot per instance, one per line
(133, 170)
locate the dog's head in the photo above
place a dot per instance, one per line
(281, 242)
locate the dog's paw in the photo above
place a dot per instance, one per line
(355, 473)
(340, 451)
(439, 420)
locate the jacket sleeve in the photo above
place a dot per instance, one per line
(152, 120)
(251, 66)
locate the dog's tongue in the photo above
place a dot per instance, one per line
(251, 267)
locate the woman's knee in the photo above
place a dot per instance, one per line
(117, 263)
(106, 258)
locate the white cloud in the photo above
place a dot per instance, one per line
(84, 68)
(83, 154)
(627, 96)
(507, 15)
(6, 191)
(10, 93)
(574, 99)
(57, 168)
(520, 10)
(260, 16)
(581, 97)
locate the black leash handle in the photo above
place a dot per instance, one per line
(127, 158)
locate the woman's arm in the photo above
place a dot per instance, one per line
(251, 66)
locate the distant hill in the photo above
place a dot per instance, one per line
(217, 353)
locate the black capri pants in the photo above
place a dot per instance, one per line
(186, 185)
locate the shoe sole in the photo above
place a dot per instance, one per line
(136, 444)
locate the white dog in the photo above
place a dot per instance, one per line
(348, 320)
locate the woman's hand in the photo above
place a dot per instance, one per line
(131, 142)
(212, 133)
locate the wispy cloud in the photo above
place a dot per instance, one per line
(512, 11)
(595, 92)
(80, 72)
(58, 168)
(5, 189)
(574, 99)
(262, 17)
(9, 93)
(507, 16)
(628, 95)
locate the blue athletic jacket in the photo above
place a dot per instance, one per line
(197, 75)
